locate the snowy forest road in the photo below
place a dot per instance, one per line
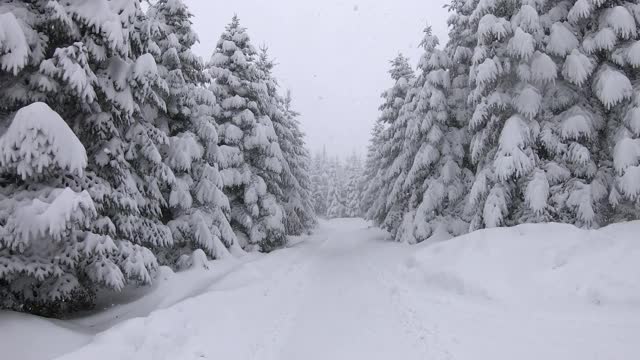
(347, 293)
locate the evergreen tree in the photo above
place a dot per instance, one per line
(95, 73)
(435, 143)
(198, 213)
(609, 57)
(353, 190)
(532, 109)
(387, 207)
(51, 256)
(371, 179)
(462, 42)
(300, 201)
(569, 136)
(509, 72)
(249, 151)
(293, 185)
(320, 183)
(336, 207)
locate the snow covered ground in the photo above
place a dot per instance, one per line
(531, 292)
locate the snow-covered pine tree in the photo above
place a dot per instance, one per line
(352, 191)
(553, 111)
(249, 151)
(510, 69)
(320, 180)
(336, 207)
(435, 147)
(609, 51)
(388, 206)
(302, 201)
(119, 80)
(293, 185)
(93, 71)
(459, 48)
(198, 211)
(371, 179)
(269, 104)
(571, 125)
(585, 112)
(51, 258)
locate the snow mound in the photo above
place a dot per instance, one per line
(38, 138)
(536, 265)
(57, 337)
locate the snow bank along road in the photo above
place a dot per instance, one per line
(346, 293)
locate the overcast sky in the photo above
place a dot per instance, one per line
(333, 55)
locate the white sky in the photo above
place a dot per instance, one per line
(333, 55)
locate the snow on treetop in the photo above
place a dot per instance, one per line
(218, 59)
(101, 15)
(184, 149)
(604, 39)
(577, 123)
(39, 139)
(487, 71)
(527, 19)
(626, 154)
(621, 21)
(580, 10)
(522, 44)
(228, 46)
(528, 101)
(577, 67)
(145, 64)
(490, 25)
(543, 68)
(632, 119)
(537, 192)
(511, 158)
(612, 86)
(49, 218)
(633, 54)
(14, 50)
(561, 41)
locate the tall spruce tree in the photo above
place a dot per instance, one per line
(570, 136)
(293, 185)
(300, 201)
(510, 69)
(371, 179)
(250, 156)
(434, 145)
(387, 209)
(611, 41)
(320, 183)
(353, 190)
(198, 211)
(336, 207)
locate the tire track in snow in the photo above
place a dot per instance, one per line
(290, 286)
(347, 312)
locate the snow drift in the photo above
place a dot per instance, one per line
(58, 337)
(537, 265)
(532, 292)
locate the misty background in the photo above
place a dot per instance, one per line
(334, 55)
